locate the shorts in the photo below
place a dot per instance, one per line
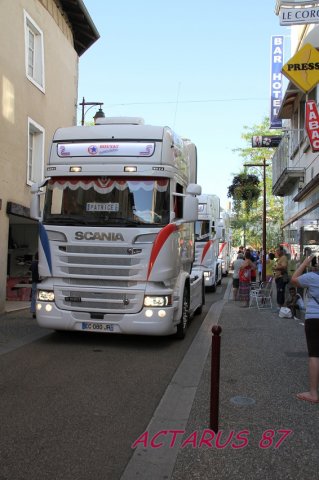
(235, 282)
(312, 336)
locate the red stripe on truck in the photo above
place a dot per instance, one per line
(205, 249)
(221, 248)
(161, 238)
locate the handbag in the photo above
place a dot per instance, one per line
(285, 312)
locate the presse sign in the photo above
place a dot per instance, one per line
(303, 68)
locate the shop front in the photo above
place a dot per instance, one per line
(22, 246)
(302, 236)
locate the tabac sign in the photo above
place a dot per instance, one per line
(303, 68)
(312, 124)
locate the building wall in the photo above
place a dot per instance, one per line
(301, 218)
(20, 99)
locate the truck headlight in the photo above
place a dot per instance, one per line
(207, 274)
(45, 295)
(157, 300)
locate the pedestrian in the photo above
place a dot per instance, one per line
(292, 265)
(245, 278)
(253, 258)
(259, 264)
(270, 265)
(236, 265)
(35, 280)
(294, 301)
(310, 280)
(281, 276)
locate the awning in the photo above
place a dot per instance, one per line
(287, 105)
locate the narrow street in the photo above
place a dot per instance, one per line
(73, 404)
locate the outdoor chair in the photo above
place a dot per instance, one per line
(261, 296)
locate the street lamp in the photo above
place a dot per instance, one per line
(264, 165)
(99, 113)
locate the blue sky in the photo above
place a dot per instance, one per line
(202, 68)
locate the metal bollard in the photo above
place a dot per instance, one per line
(215, 368)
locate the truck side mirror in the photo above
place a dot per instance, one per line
(194, 189)
(219, 232)
(190, 209)
(36, 192)
(35, 207)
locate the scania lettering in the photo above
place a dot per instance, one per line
(110, 237)
(206, 241)
(116, 242)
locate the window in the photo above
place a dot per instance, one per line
(111, 201)
(34, 52)
(35, 152)
(202, 230)
(178, 202)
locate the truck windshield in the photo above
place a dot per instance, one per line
(202, 230)
(107, 201)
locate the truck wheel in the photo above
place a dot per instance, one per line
(199, 310)
(182, 326)
(211, 288)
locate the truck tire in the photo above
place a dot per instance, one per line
(182, 326)
(199, 310)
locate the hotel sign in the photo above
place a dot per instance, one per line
(298, 16)
(303, 68)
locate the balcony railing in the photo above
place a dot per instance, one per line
(286, 165)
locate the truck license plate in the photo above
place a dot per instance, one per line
(98, 327)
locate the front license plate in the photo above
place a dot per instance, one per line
(98, 327)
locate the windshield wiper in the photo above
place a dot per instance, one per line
(123, 221)
(65, 221)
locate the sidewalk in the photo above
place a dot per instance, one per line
(17, 327)
(263, 365)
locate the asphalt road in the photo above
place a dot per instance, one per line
(72, 404)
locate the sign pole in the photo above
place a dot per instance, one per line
(264, 225)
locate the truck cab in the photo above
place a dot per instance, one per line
(206, 241)
(116, 223)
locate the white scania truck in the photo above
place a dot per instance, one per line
(225, 242)
(206, 241)
(116, 228)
